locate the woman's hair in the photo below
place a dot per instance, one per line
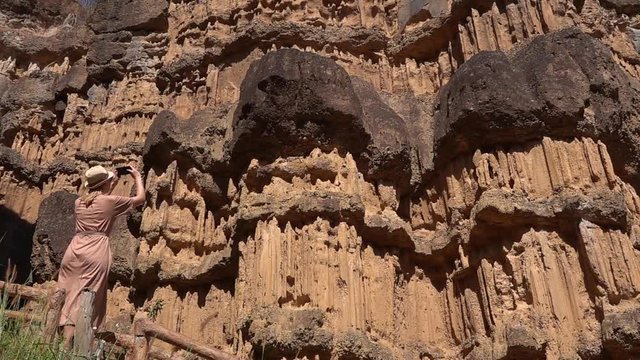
(93, 193)
(90, 196)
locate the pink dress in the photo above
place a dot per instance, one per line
(87, 260)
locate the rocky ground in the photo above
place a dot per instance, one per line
(340, 179)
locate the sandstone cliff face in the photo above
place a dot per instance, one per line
(341, 179)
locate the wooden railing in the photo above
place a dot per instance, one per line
(127, 341)
(144, 330)
(137, 344)
(54, 299)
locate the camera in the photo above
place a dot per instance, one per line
(123, 170)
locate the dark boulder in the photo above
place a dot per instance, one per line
(47, 12)
(67, 36)
(23, 170)
(55, 228)
(292, 102)
(621, 333)
(629, 7)
(524, 342)
(192, 142)
(565, 84)
(163, 138)
(28, 91)
(488, 101)
(115, 15)
(105, 55)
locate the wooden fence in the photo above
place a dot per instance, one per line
(54, 299)
(137, 344)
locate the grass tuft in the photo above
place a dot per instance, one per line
(22, 339)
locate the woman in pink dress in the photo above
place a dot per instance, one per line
(87, 260)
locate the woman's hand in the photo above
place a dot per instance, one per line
(135, 173)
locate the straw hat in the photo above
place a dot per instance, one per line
(96, 176)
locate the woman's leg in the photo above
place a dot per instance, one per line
(67, 335)
(69, 280)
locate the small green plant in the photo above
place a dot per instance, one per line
(153, 310)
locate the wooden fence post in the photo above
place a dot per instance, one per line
(53, 315)
(83, 337)
(140, 341)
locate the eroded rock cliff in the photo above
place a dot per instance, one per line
(340, 179)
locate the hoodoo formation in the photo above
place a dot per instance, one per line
(340, 179)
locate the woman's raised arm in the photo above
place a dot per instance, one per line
(140, 192)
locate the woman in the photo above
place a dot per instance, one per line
(87, 260)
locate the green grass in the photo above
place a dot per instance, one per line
(20, 339)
